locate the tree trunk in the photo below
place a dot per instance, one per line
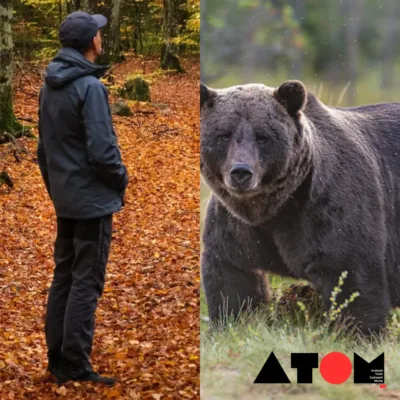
(136, 29)
(60, 14)
(115, 30)
(91, 7)
(8, 122)
(169, 57)
(135, 40)
(106, 10)
(139, 30)
(68, 5)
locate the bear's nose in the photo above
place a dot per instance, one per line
(241, 173)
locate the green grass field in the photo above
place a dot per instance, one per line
(367, 90)
(231, 360)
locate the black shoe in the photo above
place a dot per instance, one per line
(65, 371)
(95, 377)
(54, 365)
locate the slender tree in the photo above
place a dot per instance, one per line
(115, 29)
(105, 8)
(171, 18)
(68, 6)
(137, 30)
(8, 122)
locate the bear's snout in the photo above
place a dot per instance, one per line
(241, 174)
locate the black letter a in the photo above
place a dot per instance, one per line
(272, 372)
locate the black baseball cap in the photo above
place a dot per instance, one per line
(79, 28)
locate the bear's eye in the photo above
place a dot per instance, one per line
(225, 136)
(261, 139)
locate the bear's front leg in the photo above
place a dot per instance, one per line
(370, 308)
(230, 290)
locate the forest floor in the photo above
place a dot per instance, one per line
(147, 327)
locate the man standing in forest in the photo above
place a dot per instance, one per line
(81, 166)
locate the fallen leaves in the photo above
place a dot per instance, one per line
(147, 327)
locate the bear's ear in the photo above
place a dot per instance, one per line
(292, 95)
(206, 94)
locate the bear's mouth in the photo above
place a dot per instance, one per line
(249, 189)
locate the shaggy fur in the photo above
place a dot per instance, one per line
(323, 198)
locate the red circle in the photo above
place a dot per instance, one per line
(335, 368)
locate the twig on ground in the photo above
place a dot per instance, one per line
(27, 119)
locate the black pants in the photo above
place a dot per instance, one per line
(80, 254)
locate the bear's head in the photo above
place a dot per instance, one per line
(252, 142)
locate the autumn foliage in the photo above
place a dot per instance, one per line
(147, 332)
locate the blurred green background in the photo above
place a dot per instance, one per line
(330, 45)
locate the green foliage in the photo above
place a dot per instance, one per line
(334, 41)
(36, 25)
(394, 323)
(190, 36)
(35, 31)
(260, 26)
(141, 27)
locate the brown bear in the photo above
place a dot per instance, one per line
(302, 190)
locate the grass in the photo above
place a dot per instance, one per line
(366, 90)
(232, 358)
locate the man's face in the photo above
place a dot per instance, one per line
(97, 48)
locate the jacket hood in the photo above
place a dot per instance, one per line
(69, 65)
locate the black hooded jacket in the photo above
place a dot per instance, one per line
(77, 150)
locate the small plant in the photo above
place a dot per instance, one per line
(335, 310)
(300, 305)
(394, 323)
(304, 310)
